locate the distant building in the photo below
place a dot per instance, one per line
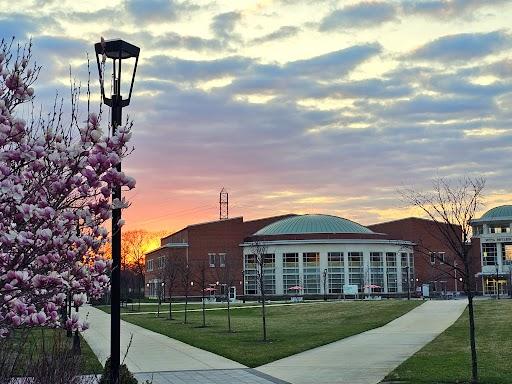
(322, 254)
(492, 237)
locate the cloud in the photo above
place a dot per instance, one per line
(335, 63)
(175, 69)
(361, 15)
(192, 43)
(157, 11)
(281, 33)
(446, 9)
(462, 47)
(223, 25)
(19, 26)
(440, 107)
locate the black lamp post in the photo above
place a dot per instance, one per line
(115, 51)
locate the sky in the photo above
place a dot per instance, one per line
(292, 106)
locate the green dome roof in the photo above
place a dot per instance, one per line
(312, 224)
(498, 212)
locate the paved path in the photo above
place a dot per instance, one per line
(367, 358)
(149, 351)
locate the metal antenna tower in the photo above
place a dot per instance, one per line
(223, 204)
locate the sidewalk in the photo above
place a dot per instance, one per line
(368, 357)
(149, 351)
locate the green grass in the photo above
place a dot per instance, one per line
(447, 359)
(164, 308)
(291, 329)
(30, 342)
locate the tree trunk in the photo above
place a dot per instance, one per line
(204, 313)
(263, 316)
(472, 339)
(229, 314)
(138, 287)
(186, 304)
(170, 304)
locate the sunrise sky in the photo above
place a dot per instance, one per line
(292, 106)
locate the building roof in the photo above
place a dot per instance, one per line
(503, 211)
(306, 224)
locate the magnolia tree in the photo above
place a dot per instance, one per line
(56, 180)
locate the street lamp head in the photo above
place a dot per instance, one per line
(163, 283)
(116, 51)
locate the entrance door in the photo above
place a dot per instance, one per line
(493, 286)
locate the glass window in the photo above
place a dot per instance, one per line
(432, 257)
(290, 271)
(377, 271)
(250, 275)
(335, 272)
(269, 273)
(222, 259)
(506, 253)
(311, 265)
(149, 267)
(355, 269)
(489, 253)
(392, 272)
(211, 257)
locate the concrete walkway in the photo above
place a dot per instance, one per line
(368, 357)
(149, 351)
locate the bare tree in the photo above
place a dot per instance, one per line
(451, 205)
(227, 275)
(186, 280)
(259, 257)
(201, 269)
(170, 276)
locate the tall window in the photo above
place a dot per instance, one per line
(506, 253)
(250, 275)
(406, 272)
(290, 271)
(311, 264)
(149, 267)
(211, 257)
(355, 269)
(160, 262)
(269, 273)
(489, 254)
(392, 272)
(336, 272)
(377, 271)
(222, 259)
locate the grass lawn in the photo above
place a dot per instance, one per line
(164, 308)
(37, 336)
(447, 359)
(291, 328)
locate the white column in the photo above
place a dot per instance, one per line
(385, 271)
(279, 273)
(366, 271)
(498, 256)
(323, 266)
(345, 267)
(399, 272)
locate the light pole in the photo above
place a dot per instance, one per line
(116, 51)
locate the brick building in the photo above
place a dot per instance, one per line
(215, 243)
(328, 252)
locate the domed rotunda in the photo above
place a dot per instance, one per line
(322, 254)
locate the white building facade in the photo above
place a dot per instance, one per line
(494, 231)
(322, 254)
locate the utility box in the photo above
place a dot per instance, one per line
(425, 290)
